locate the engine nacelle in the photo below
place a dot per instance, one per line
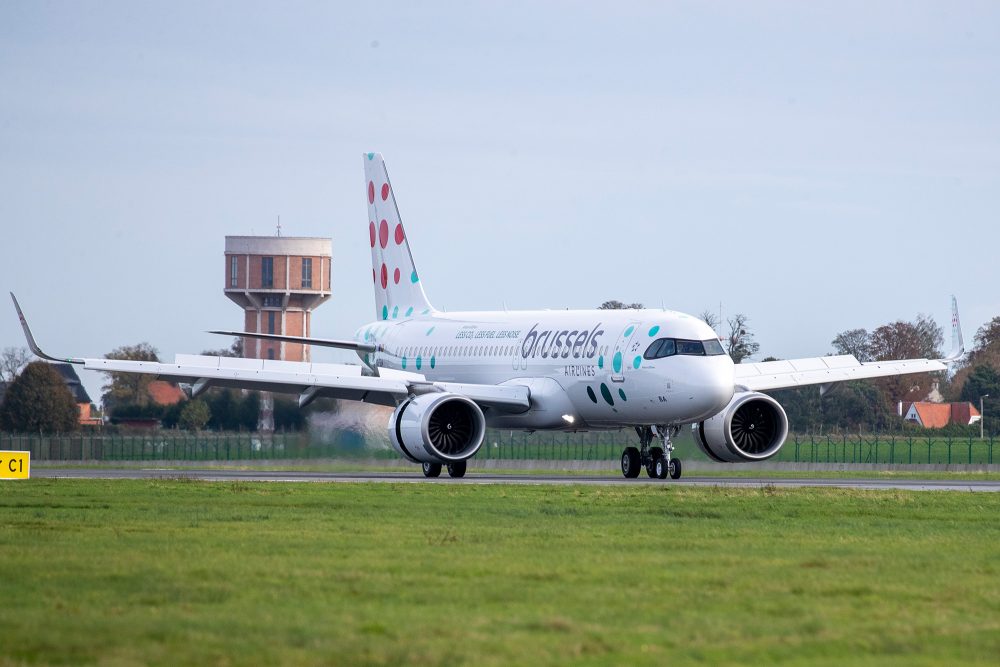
(437, 428)
(753, 427)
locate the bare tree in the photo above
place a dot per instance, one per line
(710, 318)
(740, 344)
(12, 362)
(854, 341)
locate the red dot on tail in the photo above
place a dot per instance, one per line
(385, 277)
(399, 234)
(385, 191)
(395, 276)
(371, 232)
(383, 233)
(371, 192)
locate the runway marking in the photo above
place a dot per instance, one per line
(526, 479)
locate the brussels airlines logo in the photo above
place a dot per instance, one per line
(561, 344)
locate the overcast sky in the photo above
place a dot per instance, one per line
(817, 166)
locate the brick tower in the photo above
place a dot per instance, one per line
(277, 281)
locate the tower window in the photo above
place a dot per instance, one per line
(267, 272)
(307, 272)
(233, 263)
(270, 321)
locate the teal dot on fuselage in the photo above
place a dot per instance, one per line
(433, 362)
(628, 332)
(655, 330)
(395, 312)
(403, 363)
(593, 396)
(616, 363)
(600, 361)
(385, 312)
(637, 362)
(621, 392)
(606, 393)
(409, 311)
(419, 363)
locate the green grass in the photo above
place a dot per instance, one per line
(174, 572)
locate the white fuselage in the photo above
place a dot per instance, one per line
(585, 368)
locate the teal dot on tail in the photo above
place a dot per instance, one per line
(430, 331)
(385, 312)
(409, 311)
(413, 277)
(637, 362)
(616, 363)
(395, 312)
(621, 392)
(371, 156)
(655, 330)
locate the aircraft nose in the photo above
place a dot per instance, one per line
(717, 385)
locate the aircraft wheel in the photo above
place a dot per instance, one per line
(631, 462)
(675, 468)
(655, 454)
(432, 469)
(456, 469)
(660, 468)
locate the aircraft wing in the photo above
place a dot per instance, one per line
(310, 380)
(789, 373)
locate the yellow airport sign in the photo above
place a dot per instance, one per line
(15, 465)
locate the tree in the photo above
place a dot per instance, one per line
(38, 400)
(618, 305)
(982, 381)
(710, 318)
(854, 341)
(740, 343)
(12, 360)
(234, 350)
(129, 388)
(194, 415)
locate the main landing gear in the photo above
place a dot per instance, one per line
(455, 469)
(657, 461)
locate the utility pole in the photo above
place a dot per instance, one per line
(982, 415)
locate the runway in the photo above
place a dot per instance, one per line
(416, 477)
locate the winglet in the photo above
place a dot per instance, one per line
(31, 339)
(957, 342)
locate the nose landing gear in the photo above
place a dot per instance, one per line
(658, 461)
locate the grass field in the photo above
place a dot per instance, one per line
(174, 572)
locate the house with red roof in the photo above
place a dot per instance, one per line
(938, 415)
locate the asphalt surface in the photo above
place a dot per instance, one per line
(416, 477)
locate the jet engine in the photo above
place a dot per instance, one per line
(437, 428)
(753, 427)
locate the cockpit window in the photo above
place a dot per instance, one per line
(668, 347)
(713, 347)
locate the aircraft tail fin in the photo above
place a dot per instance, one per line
(398, 291)
(957, 342)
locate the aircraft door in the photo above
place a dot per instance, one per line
(619, 354)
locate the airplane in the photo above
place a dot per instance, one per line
(449, 375)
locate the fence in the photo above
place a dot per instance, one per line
(500, 445)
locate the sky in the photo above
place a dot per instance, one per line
(817, 166)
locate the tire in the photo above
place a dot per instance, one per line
(631, 462)
(431, 469)
(660, 466)
(675, 468)
(654, 454)
(456, 469)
